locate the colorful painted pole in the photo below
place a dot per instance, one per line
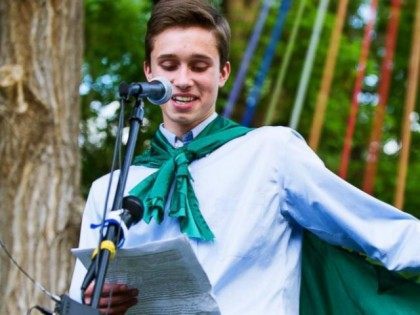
(327, 76)
(384, 84)
(249, 52)
(275, 99)
(255, 93)
(410, 102)
(309, 62)
(364, 53)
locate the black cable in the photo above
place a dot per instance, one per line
(38, 285)
(116, 155)
(41, 309)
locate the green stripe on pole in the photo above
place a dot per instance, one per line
(309, 62)
(270, 116)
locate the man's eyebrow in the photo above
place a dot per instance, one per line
(201, 56)
(166, 56)
(193, 56)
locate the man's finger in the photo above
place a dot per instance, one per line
(116, 301)
(117, 289)
(118, 309)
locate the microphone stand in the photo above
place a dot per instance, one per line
(103, 256)
(99, 265)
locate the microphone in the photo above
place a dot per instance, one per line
(158, 91)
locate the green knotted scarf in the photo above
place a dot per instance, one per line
(173, 167)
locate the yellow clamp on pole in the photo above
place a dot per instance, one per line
(109, 246)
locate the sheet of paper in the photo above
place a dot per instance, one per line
(168, 275)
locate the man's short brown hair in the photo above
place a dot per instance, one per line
(186, 13)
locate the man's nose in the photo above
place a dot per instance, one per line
(183, 79)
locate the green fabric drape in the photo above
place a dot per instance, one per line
(336, 281)
(173, 168)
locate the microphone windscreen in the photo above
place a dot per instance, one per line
(167, 91)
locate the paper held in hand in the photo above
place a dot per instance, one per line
(167, 274)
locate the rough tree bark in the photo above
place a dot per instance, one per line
(41, 45)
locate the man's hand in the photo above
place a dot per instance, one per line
(123, 297)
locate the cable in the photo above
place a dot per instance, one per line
(54, 297)
(116, 156)
(41, 309)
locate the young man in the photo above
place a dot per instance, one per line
(252, 192)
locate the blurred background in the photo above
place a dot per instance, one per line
(114, 53)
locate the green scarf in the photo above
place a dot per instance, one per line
(173, 167)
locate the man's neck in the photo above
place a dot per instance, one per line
(172, 136)
(179, 129)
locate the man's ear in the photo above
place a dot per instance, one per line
(224, 74)
(147, 71)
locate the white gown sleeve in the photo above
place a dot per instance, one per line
(339, 213)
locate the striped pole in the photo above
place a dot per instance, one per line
(384, 84)
(309, 62)
(275, 99)
(255, 93)
(364, 53)
(410, 101)
(249, 52)
(327, 76)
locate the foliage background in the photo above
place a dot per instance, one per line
(114, 52)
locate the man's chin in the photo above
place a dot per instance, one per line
(184, 120)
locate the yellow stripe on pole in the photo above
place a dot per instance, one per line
(327, 76)
(410, 101)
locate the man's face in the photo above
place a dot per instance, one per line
(189, 59)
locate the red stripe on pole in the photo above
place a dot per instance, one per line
(367, 39)
(384, 84)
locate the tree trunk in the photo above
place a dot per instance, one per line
(41, 46)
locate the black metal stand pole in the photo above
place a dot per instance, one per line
(99, 264)
(103, 256)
